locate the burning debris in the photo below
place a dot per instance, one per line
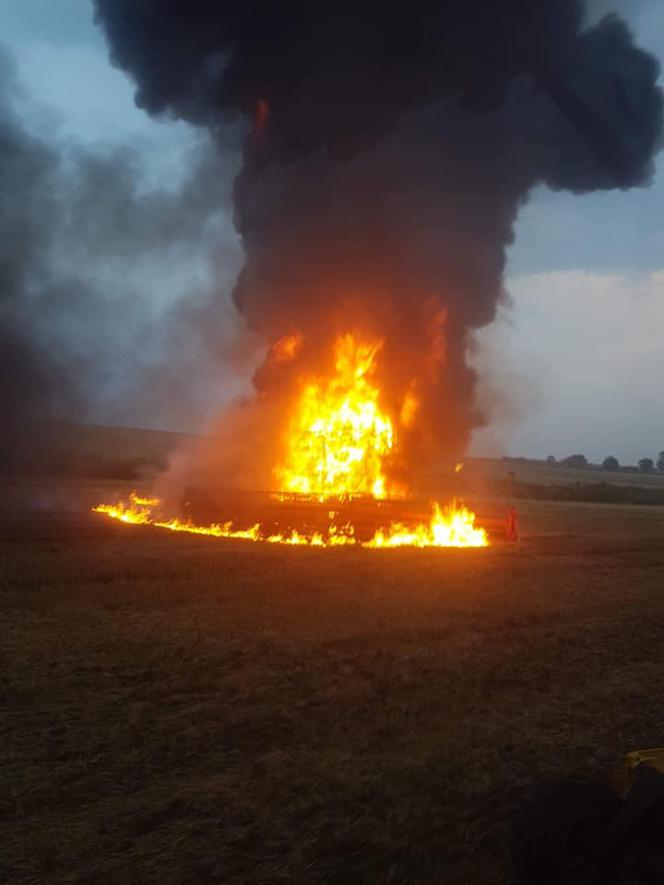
(337, 446)
(453, 526)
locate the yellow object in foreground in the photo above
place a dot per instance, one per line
(654, 758)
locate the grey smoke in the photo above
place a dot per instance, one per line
(81, 334)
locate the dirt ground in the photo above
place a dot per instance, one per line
(177, 709)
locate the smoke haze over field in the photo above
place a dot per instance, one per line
(391, 150)
(79, 230)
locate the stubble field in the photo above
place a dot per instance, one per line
(187, 710)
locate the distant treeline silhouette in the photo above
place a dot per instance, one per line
(580, 462)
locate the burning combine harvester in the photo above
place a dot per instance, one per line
(332, 476)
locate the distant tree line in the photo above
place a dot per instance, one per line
(579, 461)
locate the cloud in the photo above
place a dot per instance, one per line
(593, 346)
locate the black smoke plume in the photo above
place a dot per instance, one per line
(389, 149)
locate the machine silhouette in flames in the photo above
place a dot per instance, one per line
(337, 446)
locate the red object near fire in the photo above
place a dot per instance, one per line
(512, 525)
(332, 476)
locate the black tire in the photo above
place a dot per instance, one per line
(558, 835)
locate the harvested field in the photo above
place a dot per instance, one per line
(178, 709)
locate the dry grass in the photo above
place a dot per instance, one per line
(185, 710)
(88, 450)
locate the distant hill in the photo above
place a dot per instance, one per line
(70, 449)
(129, 453)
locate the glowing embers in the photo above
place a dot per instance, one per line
(339, 439)
(453, 526)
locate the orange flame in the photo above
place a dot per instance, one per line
(287, 348)
(452, 527)
(338, 443)
(138, 511)
(409, 409)
(339, 437)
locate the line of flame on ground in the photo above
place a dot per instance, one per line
(453, 526)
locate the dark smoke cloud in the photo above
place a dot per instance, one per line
(392, 147)
(80, 238)
(29, 378)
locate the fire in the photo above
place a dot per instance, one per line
(453, 526)
(138, 511)
(339, 438)
(409, 409)
(338, 444)
(287, 348)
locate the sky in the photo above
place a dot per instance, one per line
(574, 362)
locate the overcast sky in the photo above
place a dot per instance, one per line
(578, 356)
